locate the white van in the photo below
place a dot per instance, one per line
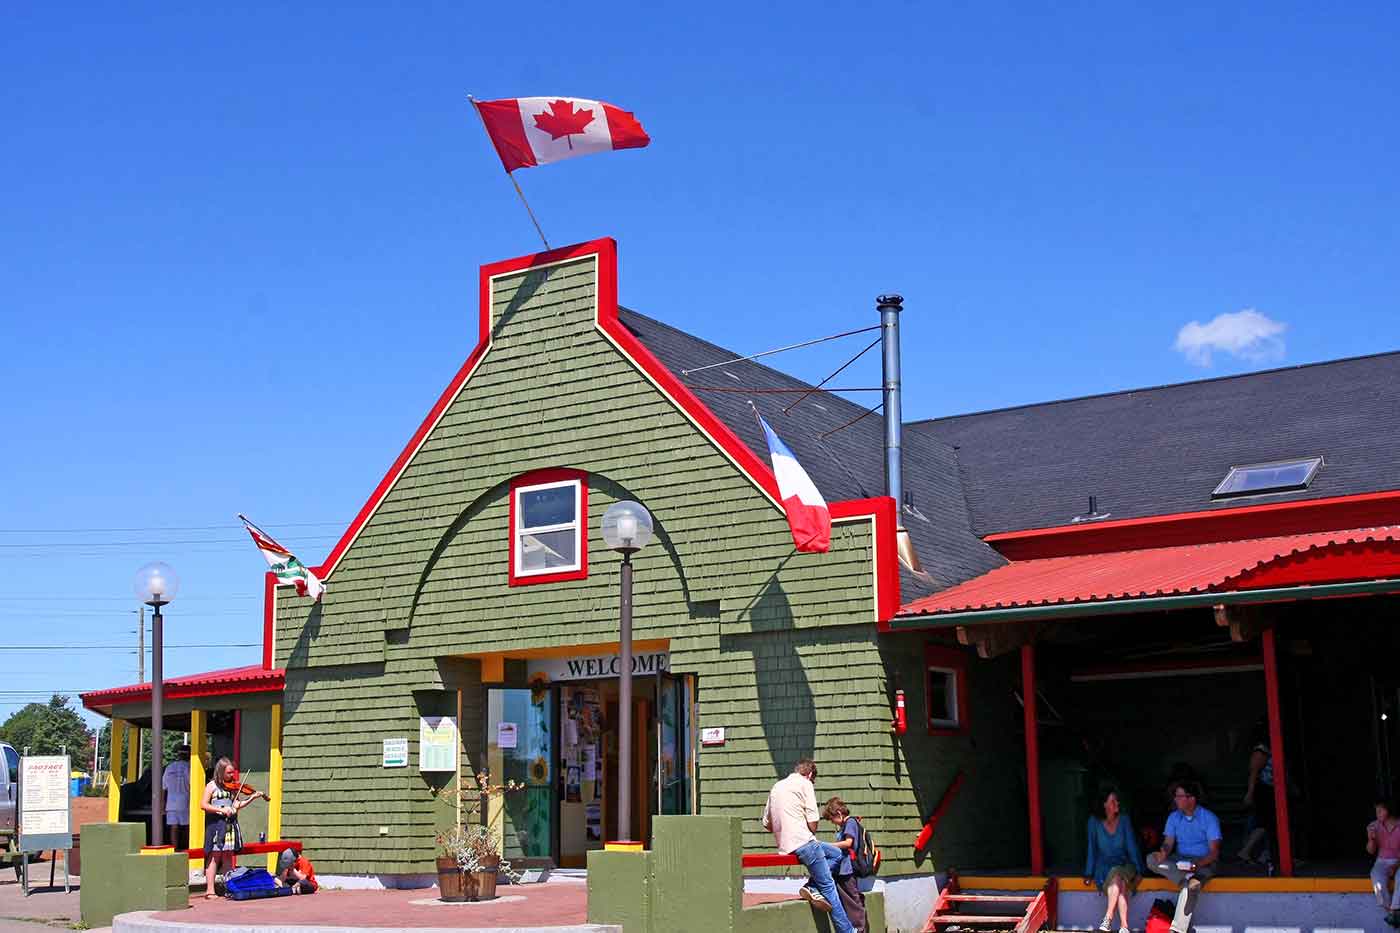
(9, 787)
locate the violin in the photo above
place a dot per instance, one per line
(234, 784)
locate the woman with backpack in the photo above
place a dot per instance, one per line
(848, 839)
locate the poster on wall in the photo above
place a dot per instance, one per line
(395, 753)
(507, 735)
(437, 743)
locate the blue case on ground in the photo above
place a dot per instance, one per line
(252, 884)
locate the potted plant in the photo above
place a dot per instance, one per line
(469, 859)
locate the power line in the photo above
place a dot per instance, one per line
(153, 544)
(77, 531)
(123, 648)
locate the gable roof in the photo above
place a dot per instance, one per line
(844, 462)
(1163, 450)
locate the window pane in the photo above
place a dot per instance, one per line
(940, 696)
(542, 550)
(1268, 477)
(547, 506)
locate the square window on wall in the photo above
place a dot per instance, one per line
(945, 691)
(548, 522)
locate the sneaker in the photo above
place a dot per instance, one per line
(815, 899)
(1393, 918)
(1106, 926)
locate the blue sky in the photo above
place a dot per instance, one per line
(239, 247)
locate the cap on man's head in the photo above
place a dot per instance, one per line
(286, 860)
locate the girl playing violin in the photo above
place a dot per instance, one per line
(221, 801)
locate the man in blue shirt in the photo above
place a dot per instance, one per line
(1190, 851)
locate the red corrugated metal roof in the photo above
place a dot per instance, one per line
(1166, 571)
(233, 680)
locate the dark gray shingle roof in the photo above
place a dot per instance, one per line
(1163, 450)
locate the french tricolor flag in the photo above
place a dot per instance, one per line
(807, 514)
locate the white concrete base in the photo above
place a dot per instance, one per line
(377, 882)
(1229, 912)
(908, 898)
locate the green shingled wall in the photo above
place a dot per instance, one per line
(784, 644)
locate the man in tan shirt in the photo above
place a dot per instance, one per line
(791, 815)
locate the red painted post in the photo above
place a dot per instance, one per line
(1285, 838)
(1032, 756)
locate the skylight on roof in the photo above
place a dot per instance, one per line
(1257, 479)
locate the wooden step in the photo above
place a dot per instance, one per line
(976, 920)
(994, 898)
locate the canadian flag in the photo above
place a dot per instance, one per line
(529, 131)
(807, 514)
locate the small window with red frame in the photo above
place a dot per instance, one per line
(945, 691)
(548, 512)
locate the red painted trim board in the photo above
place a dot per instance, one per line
(1364, 510)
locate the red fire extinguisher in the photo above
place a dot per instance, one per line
(900, 725)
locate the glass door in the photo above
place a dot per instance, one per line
(520, 747)
(673, 770)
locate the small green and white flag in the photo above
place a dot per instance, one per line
(284, 564)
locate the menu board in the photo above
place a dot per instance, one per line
(43, 803)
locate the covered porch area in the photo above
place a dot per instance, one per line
(1146, 665)
(234, 713)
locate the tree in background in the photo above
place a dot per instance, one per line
(171, 740)
(48, 728)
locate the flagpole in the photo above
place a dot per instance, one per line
(515, 184)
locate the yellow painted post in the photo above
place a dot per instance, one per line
(274, 784)
(133, 751)
(114, 771)
(199, 725)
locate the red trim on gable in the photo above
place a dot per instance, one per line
(758, 472)
(886, 550)
(536, 478)
(956, 661)
(269, 617)
(1238, 523)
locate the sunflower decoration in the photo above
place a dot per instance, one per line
(539, 771)
(539, 688)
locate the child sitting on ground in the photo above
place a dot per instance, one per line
(294, 871)
(848, 832)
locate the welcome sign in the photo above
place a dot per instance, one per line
(598, 666)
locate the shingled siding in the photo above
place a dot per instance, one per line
(784, 644)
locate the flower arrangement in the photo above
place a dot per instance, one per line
(474, 848)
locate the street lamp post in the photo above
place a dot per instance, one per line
(626, 529)
(156, 585)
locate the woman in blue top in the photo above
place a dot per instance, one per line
(1114, 863)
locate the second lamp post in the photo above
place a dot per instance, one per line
(156, 585)
(626, 529)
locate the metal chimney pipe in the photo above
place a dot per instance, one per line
(889, 307)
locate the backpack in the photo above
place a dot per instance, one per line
(865, 855)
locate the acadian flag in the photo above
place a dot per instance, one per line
(284, 564)
(530, 131)
(807, 514)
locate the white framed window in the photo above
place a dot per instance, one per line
(547, 533)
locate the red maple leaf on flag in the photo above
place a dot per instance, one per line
(563, 120)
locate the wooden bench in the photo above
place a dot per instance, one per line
(768, 860)
(256, 848)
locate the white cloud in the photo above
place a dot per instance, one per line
(1246, 334)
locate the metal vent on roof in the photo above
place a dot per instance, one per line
(1258, 479)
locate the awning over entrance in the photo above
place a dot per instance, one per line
(233, 680)
(1258, 563)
